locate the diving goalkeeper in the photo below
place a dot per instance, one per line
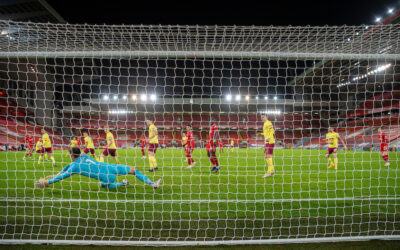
(104, 172)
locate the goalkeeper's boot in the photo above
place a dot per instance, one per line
(151, 170)
(155, 169)
(332, 165)
(273, 172)
(125, 182)
(387, 164)
(267, 175)
(157, 183)
(54, 164)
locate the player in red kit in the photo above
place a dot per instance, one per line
(143, 144)
(28, 141)
(211, 146)
(189, 147)
(384, 149)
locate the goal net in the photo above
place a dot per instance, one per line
(73, 81)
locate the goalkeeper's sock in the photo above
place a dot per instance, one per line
(40, 159)
(116, 160)
(151, 162)
(52, 159)
(101, 158)
(335, 159)
(143, 178)
(330, 160)
(95, 157)
(46, 157)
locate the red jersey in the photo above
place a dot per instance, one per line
(28, 140)
(78, 142)
(190, 139)
(143, 142)
(211, 134)
(382, 138)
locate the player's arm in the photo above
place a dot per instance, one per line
(45, 183)
(344, 144)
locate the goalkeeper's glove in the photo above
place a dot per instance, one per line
(42, 183)
(50, 177)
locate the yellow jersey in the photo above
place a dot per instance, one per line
(232, 143)
(152, 132)
(332, 139)
(74, 143)
(89, 142)
(46, 140)
(39, 146)
(184, 140)
(110, 137)
(268, 132)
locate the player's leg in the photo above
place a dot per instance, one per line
(335, 159)
(50, 152)
(384, 154)
(214, 160)
(41, 153)
(113, 153)
(268, 152)
(104, 154)
(192, 162)
(328, 156)
(143, 153)
(93, 152)
(152, 160)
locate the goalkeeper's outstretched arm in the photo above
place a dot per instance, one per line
(45, 182)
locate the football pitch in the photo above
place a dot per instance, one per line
(303, 199)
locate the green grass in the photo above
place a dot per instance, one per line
(303, 199)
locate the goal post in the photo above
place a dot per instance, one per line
(75, 82)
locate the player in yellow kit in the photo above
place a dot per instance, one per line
(89, 145)
(39, 149)
(75, 143)
(153, 145)
(332, 139)
(111, 148)
(47, 147)
(232, 145)
(268, 132)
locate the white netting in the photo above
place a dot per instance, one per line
(71, 79)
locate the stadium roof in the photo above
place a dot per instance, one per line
(29, 10)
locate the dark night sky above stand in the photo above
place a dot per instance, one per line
(338, 12)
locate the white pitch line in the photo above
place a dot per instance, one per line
(206, 201)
